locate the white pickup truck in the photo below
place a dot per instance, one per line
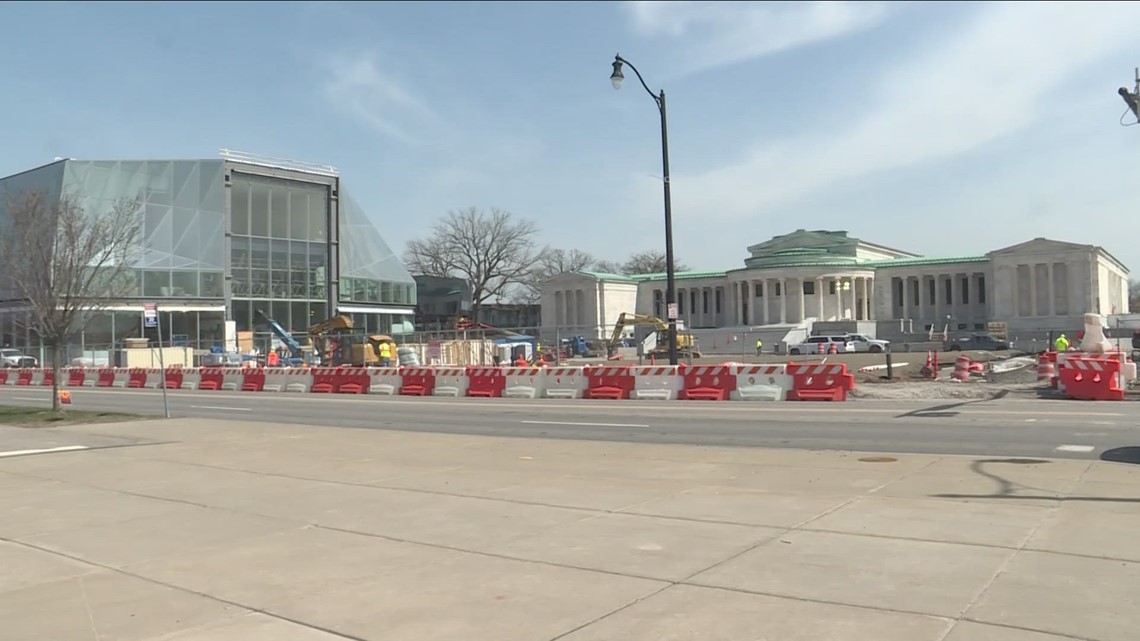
(14, 358)
(864, 343)
(821, 345)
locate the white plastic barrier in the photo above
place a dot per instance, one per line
(298, 379)
(37, 377)
(450, 381)
(14, 374)
(232, 378)
(384, 380)
(762, 383)
(276, 378)
(154, 378)
(191, 377)
(524, 382)
(656, 382)
(122, 377)
(564, 382)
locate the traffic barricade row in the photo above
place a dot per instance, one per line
(722, 382)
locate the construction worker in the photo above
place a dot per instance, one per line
(1061, 344)
(385, 354)
(521, 360)
(759, 346)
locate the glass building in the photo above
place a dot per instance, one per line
(222, 239)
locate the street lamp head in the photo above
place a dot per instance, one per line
(617, 76)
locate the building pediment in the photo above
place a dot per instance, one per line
(1040, 246)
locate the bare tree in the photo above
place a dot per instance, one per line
(551, 263)
(492, 252)
(66, 263)
(1134, 296)
(608, 267)
(649, 262)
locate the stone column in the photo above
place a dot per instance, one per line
(801, 297)
(1052, 303)
(1032, 289)
(819, 297)
(783, 300)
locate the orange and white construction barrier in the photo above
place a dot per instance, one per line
(962, 369)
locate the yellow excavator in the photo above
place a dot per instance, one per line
(335, 344)
(686, 344)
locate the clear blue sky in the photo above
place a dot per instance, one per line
(944, 129)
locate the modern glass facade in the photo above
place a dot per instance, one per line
(222, 239)
(279, 250)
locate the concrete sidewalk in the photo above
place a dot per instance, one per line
(220, 530)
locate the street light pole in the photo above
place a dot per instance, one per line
(670, 276)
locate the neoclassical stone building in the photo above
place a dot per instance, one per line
(1039, 285)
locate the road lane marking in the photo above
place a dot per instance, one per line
(65, 448)
(626, 406)
(223, 409)
(584, 424)
(1075, 448)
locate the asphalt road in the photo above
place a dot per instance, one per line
(1003, 427)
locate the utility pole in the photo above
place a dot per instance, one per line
(1132, 98)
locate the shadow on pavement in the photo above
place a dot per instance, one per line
(946, 411)
(1130, 454)
(1009, 490)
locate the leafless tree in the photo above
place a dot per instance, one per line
(493, 252)
(551, 263)
(1134, 296)
(65, 263)
(608, 267)
(649, 262)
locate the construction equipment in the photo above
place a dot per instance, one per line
(336, 345)
(686, 344)
(295, 349)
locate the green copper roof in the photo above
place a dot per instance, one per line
(677, 276)
(608, 276)
(911, 262)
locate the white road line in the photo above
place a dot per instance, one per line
(223, 409)
(584, 424)
(28, 398)
(1075, 448)
(65, 448)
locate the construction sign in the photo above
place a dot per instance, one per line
(64, 397)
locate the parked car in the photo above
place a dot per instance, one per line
(979, 342)
(864, 343)
(14, 358)
(813, 344)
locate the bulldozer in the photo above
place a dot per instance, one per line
(686, 343)
(335, 344)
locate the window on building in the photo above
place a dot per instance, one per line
(692, 301)
(719, 300)
(979, 326)
(966, 291)
(681, 304)
(759, 288)
(949, 290)
(981, 289)
(705, 301)
(779, 288)
(900, 292)
(932, 292)
(917, 293)
(658, 302)
(809, 287)
(962, 325)
(831, 287)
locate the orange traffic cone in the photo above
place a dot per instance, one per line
(962, 369)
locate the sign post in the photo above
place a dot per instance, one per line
(151, 319)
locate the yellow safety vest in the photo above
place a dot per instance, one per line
(385, 350)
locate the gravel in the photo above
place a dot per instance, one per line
(921, 390)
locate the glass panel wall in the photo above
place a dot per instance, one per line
(279, 259)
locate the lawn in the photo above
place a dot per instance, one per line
(40, 417)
